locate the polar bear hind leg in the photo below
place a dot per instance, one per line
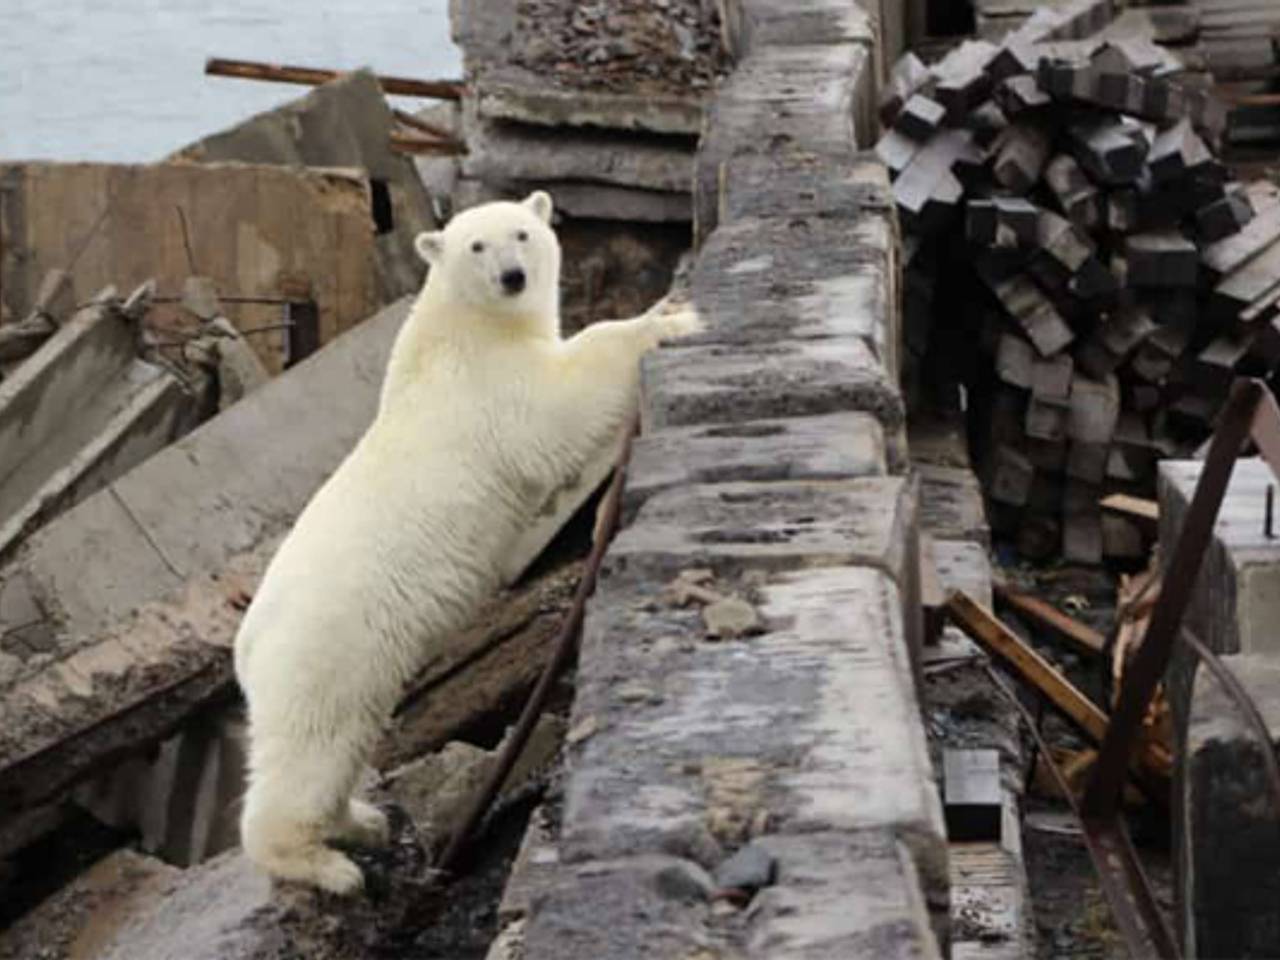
(364, 825)
(297, 800)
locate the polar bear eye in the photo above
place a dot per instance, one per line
(477, 247)
(522, 235)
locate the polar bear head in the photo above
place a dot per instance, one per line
(501, 259)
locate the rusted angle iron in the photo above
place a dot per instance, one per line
(1250, 412)
(315, 76)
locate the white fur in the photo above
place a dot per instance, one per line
(485, 412)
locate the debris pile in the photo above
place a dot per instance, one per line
(1080, 266)
(599, 104)
(629, 46)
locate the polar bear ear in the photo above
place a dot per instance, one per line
(430, 246)
(540, 203)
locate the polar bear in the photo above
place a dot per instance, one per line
(485, 413)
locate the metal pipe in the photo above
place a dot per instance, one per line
(314, 76)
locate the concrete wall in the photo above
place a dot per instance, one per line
(771, 469)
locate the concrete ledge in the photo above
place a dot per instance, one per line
(797, 278)
(810, 727)
(785, 102)
(733, 384)
(837, 446)
(798, 185)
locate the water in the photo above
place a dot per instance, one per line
(123, 80)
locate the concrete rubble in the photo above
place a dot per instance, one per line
(1222, 803)
(762, 750)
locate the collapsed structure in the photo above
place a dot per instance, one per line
(774, 746)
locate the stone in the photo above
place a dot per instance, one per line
(1230, 824)
(829, 447)
(750, 869)
(841, 896)
(730, 617)
(685, 881)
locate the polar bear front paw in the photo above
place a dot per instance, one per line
(678, 321)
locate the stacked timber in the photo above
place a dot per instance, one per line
(1082, 264)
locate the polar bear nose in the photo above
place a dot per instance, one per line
(512, 280)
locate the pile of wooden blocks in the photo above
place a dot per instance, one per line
(1080, 261)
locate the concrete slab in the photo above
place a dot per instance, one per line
(80, 920)
(1230, 824)
(734, 527)
(735, 383)
(220, 491)
(83, 357)
(750, 25)
(344, 123)
(811, 726)
(144, 409)
(832, 447)
(506, 153)
(559, 65)
(581, 200)
(841, 896)
(270, 231)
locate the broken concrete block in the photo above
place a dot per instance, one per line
(80, 412)
(707, 789)
(234, 482)
(345, 123)
(83, 918)
(259, 231)
(1230, 824)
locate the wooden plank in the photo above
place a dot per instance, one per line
(1138, 508)
(994, 637)
(1082, 638)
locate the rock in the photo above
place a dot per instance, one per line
(684, 880)
(750, 868)
(730, 617)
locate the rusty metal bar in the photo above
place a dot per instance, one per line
(1250, 411)
(1102, 797)
(314, 76)
(566, 642)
